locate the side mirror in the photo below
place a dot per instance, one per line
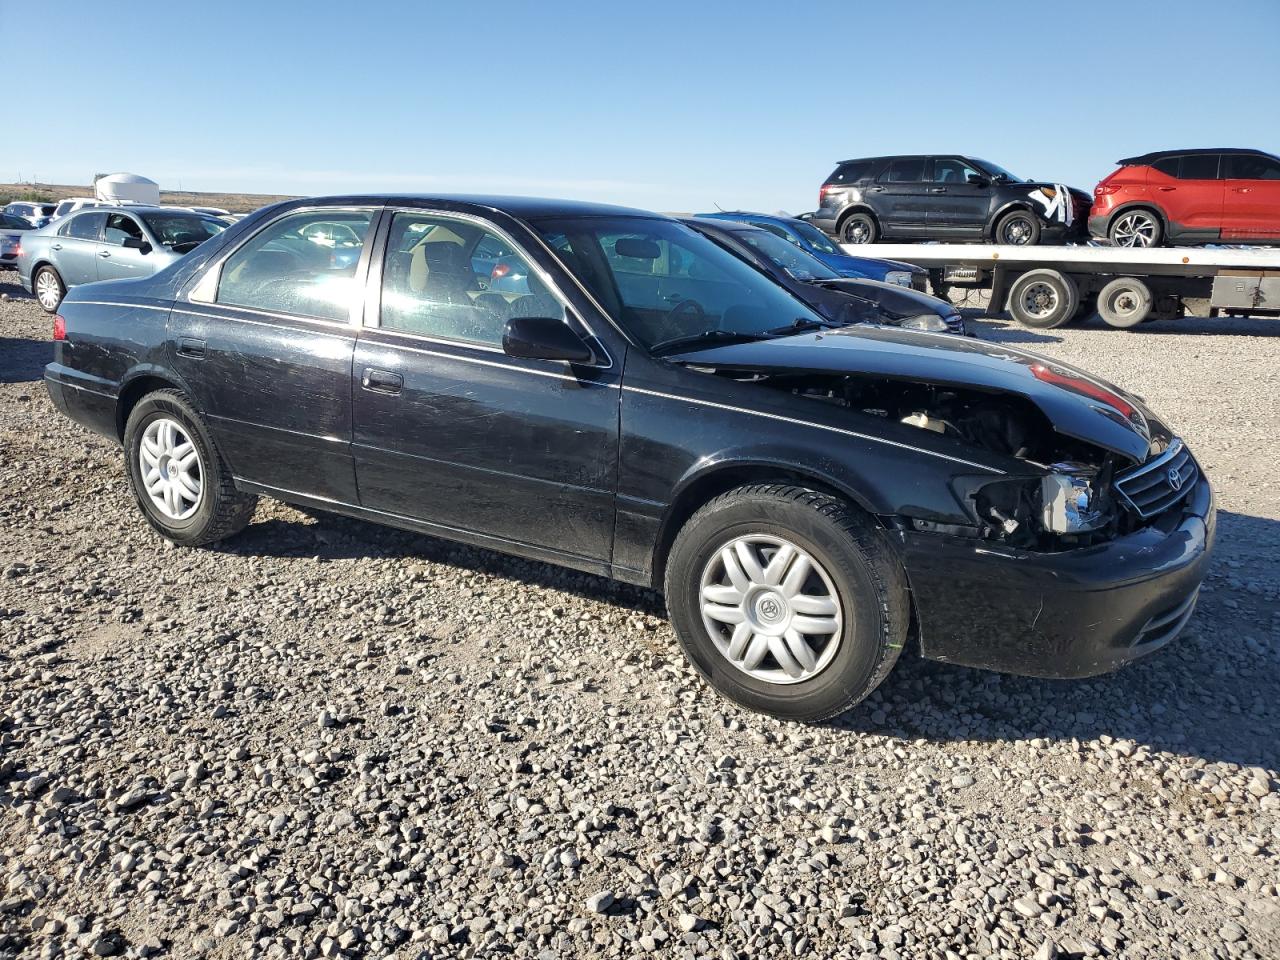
(136, 243)
(544, 338)
(978, 180)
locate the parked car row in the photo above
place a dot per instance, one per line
(680, 404)
(1172, 196)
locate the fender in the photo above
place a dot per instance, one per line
(1016, 204)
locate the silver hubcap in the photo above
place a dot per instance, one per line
(47, 290)
(771, 609)
(1040, 300)
(171, 470)
(1134, 230)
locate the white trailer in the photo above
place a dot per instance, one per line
(1044, 286)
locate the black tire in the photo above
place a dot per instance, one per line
(1125, 302)
(1018, 228)
(1136, 227)
(868, 581)
(1043, 299)
(46, 274)
(222, 510)
(859, 227)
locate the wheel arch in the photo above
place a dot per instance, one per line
(137, 384)
(698, 488)
(989, 231)
(1128, 207)
(859, 207)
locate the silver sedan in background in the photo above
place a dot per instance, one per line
(12, 230)
(108, 243)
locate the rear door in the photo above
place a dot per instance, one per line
(116, 261)
(1192, 201)
(957, 207)
(75, 248)
(264, 340)
(1251, 206)
(900, 197)
(449, 430)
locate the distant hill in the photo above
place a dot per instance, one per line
(235, 202)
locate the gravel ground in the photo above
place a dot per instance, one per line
(333, 739)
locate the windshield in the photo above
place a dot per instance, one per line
(784, 254)
(182, 229)
(998, 171)
(665, 282)
(815, 237)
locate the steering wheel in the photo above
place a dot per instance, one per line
(691, 309)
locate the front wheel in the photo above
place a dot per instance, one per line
(1018, 229)
(177, 476)
(860, 228)
(49, 288)
(787, 601)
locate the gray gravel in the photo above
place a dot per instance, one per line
(332, 739)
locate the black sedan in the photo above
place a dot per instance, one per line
(651, 409)
(840, 299)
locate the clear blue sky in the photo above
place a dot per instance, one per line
(666, 105)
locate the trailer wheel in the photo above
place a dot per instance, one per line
(1125, 302)
(1043, 299)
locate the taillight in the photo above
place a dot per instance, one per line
(1105, 190)
(826, 189)
(59, 327)
(499, 271)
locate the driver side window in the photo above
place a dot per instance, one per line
(951, 170)
(120, 228)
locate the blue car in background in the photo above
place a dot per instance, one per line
(817, 244)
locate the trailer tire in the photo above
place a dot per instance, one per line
(1125, 302)
(1044, 299)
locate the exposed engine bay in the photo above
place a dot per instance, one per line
(1066, 498)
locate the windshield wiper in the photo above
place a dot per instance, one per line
(675, 343)
(800, 325)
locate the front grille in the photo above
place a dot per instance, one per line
(1158, 484)
(1163, 627)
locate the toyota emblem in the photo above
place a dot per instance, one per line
(1175, 479)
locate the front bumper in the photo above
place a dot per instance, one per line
(1077, 613)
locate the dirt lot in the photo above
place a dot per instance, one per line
(331, 739)
(234, 202)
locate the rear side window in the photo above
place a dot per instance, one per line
(1199, 167)
(850, 172)
(87, 226)
(302, 264)
(1252, 167)
(904, 170)
(1168, 166)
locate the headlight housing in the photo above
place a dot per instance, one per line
(1068, 501)
(901, 277)
(930, 322)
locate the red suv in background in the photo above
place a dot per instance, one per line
(1189, 196)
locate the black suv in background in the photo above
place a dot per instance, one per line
(945, 197)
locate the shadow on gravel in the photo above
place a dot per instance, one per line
(1213, 693)
(333, 537)
(22, 360)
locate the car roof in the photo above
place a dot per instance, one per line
(530, 208)
(1154, 155)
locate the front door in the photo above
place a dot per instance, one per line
(1192, 201)
(265, 343)
(900, 198)
(116, 261)
(450, 431)
(957, 206)
(1251, 209)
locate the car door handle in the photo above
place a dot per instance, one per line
(55, 246)
(1240, 189)
(191, 347)
(1167, 189)
(937, 190)
(381, 381)
(875, 189)
(104, 253)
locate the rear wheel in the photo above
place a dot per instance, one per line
(787, 601)
(1044, 299)
(1124, 302)
(177, 476)
(1136, 228)
(49, 288)
(860, 228)
(1018, 229)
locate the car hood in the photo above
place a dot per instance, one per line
(866, 265)
(1078, 404)
(897, 301)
